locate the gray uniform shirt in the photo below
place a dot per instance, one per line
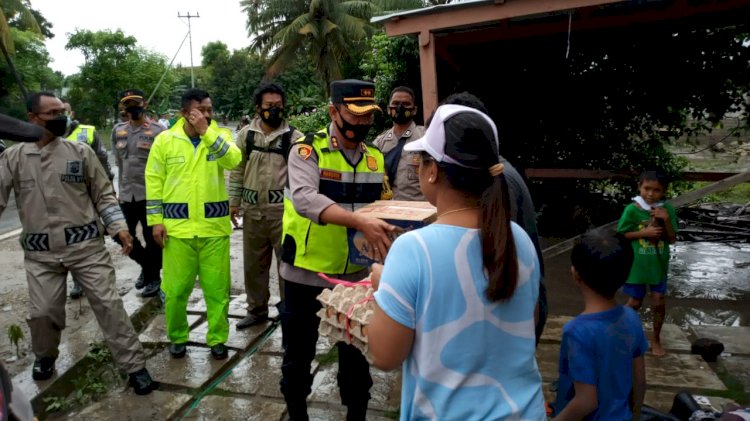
(62, 192)
(304, 178)
(132, 146)
(406, 184)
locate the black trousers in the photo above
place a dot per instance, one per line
(299, 325)
(148, 257)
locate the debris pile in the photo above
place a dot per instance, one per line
(715, 222)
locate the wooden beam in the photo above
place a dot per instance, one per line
(680, 201)
(428, 69)
(457, 15)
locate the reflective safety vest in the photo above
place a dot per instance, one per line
(324, 247)
(185, 186)
(82, 134)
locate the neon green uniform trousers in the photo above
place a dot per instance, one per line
(184, 259)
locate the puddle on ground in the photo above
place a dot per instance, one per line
(713, 271)
(702, 273)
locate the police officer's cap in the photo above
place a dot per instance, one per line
(131, 94)
(358, 96)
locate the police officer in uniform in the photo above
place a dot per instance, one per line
(86, 134)
(401, 166)
(257, 184)
(331, 174)
(188, 207)
(132, 143)
(62, 193)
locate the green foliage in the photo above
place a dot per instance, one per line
(15, 334)
(329, 357)
(311, 121)
(329, 33)
(389, 62)
(231, 79)
(114, 62)
(94, 382)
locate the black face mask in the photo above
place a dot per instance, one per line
(353, 132)
(135, 112)
(58, 125)
(402, 115)
(272, 116)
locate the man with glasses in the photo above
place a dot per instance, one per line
(63, 196)
(330, 174)
(401, 166)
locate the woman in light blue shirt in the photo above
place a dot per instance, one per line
(456, 300)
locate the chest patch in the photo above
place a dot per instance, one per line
(372, 163)
(121, 144)
(74, 172)
(144, 145)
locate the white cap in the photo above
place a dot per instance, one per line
(433, 141)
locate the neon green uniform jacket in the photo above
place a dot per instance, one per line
(325, 247)
(185, 186)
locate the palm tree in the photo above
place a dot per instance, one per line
(12, 10)
(324, 30)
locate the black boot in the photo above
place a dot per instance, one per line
(43, 368)
(142, 382)
(151, 289)
(177, 350)
(356, 412)
(76, 292)
(297, 411)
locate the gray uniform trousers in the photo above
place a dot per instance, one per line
(261, 238)
(47, 293)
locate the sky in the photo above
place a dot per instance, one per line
(154, 23)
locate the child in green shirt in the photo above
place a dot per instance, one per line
(651, 225)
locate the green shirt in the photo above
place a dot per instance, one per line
(651, 261)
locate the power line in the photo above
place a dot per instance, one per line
(190, 35)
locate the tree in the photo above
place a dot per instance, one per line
(327, 32)
(15, 12)
(113, 62)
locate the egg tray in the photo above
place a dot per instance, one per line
(345, 315)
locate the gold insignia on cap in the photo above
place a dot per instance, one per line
(304, 151)
(367, 92)
(372, 163)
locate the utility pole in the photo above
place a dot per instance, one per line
(190, 34)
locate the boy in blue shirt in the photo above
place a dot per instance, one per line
(601, 355)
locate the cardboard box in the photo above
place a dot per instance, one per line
(403, 214)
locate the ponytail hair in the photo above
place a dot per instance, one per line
(498, 247)
(479, 175)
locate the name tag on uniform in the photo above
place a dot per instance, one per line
(143, 145)
(330, 175)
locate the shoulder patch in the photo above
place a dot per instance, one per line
(304, 151)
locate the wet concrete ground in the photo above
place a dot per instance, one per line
(245, 386)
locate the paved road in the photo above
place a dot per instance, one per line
(9, 220)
